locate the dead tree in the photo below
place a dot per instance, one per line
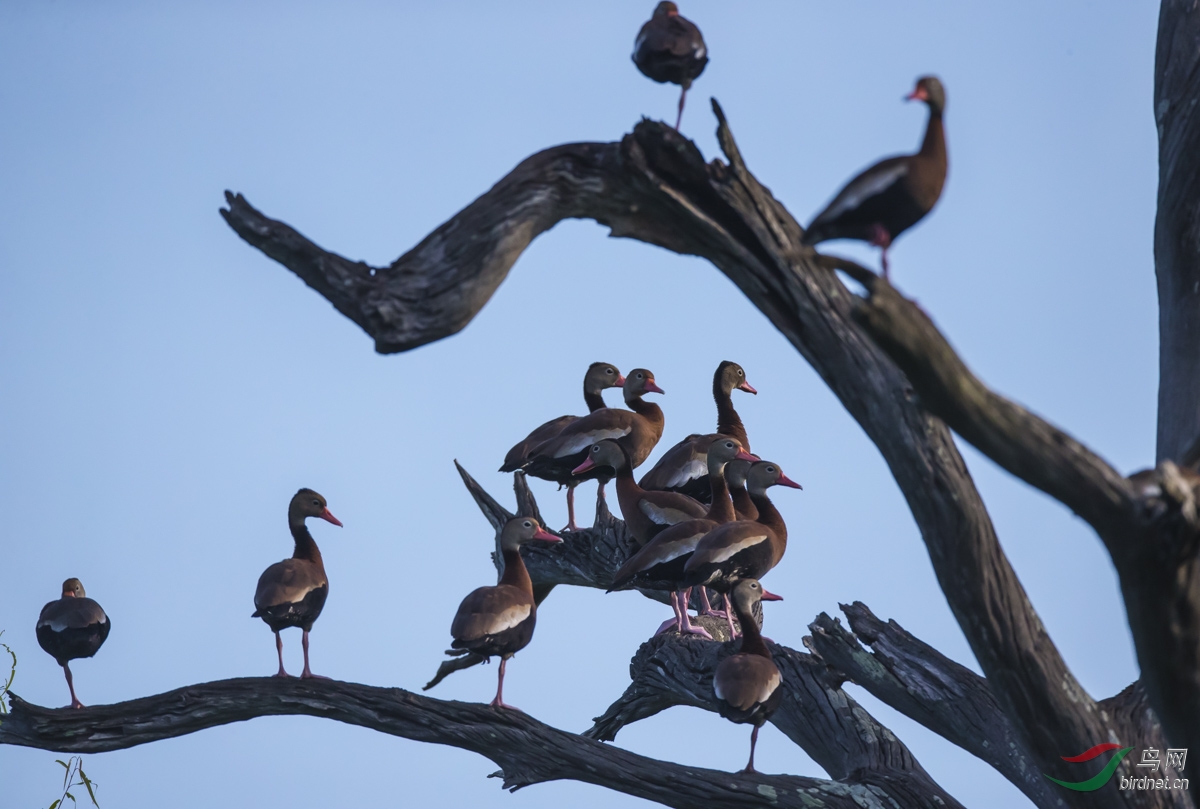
(902, 382)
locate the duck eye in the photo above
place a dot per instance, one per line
(608, 371)
(316, 502)
(741, 372)
(527, 525)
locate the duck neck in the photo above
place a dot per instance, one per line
(728, 421)
(743, 504)
(752, 640)
(769, 516)
(649, 411)
(593, 399)
(515, 573)
(306, 546)
(721, 509)
(934, 145)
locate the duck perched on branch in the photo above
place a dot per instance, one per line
(684, 467)
(637, 430)
(894, 194)
(293, 592)
(499, 620)
(670, 48)
(72, 627)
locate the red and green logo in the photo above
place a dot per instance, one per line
(1099, 779)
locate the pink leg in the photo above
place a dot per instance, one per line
(733, 633)
(75, 703)
(753, 741)
(499, 702)
(600, 491)
(307, 673)
(571, 526)
(706, 607)
(685, 623)
(881, 238)
(679, 118)
(279, 651)
(677, 621)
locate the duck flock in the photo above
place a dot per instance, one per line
(701, 516)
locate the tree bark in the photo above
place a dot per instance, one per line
(1177, 230)
(654, 186)
(527, 751)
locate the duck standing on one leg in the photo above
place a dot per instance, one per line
(499, 620)
(72, 627)
(894, 194)
(670, 48)
(747, 684)
(293, 592)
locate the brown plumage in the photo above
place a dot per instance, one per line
(894, 194)
(637, 430)
(670, 48)
(600, 376)
(659, 565)
(499, 620)
(748, 685)
(645, 513)
(735, 476)
(293, 592)
(742, 549)
(684, 468)
(72, 627)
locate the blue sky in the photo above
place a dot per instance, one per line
(167, 387)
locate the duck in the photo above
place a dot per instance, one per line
(684, 468)
(637, 430)
(894, 194)
(670, 48)
(645, 513)
(659, 565)
(72, 627)
(499, 620)
(600, 377)
(742, 549)
(293, 592)
(747, 684)
(735, 477)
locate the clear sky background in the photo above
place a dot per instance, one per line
(167, 388)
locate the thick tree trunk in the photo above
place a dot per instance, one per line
(1177, 230)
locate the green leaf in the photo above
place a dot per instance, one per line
(55, 804)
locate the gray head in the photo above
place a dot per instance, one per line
(601, 376)
(726, 449)
(748, 592)
(730, 377)
(606, 453)
(307, 503)
(930, 90)
(73, 588)
(765, 474)
(640, 382)
(520, 530)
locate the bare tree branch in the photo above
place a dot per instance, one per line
(654, 186)
(528, 751)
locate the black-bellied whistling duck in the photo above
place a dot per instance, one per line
(748, 684)
(684, 468)
(742, 549)
(735, 477)
(293, 592)
(637, 430)
(72, 627)
(499, 620)
(645, 513)
(600, 376)
(659, 565)
(670, 48)
(894, 194)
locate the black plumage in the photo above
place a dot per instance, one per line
(72, 627)
(670, 48)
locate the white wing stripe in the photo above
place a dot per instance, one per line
(858, 193)
(741, 545)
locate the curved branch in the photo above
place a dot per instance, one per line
(1026, 445)
(656, 187)
(527, 751)
(923, 684)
